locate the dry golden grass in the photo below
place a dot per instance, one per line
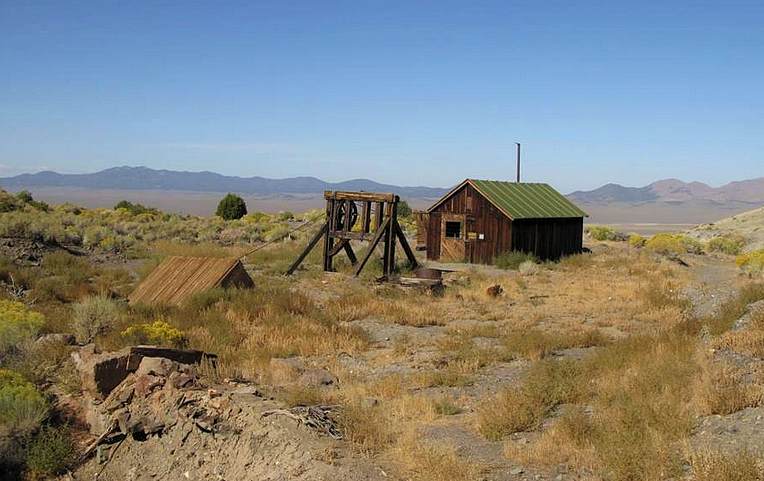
(568, 442)
(749, 341)
(163, 248)
(645, 392)
(714, 466)
(535, 344)
(373, 427)
(246, 328)
(720, 389)
(428, 461)
(547, 385)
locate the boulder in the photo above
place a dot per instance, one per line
(102, 372)
(293, 371)
(495, 290)
(317, 377)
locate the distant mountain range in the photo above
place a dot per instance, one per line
(675, 191)
(143, 178)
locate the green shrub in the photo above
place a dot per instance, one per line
(135, 209)
(513, 259)
(94, 316)
(731, 244)
(256, 217)
(17, 324)
(51, 452)
(752, 262)
(22, 407)
(25, 197)
(285, 216)
(8, 203)
(674, 244)
(158, 333)
(603, 233)
(231, 207)
(636, 240)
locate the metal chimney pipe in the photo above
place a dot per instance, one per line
(518, 161)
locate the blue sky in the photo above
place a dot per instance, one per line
(410, 92)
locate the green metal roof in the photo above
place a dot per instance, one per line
(523, 200)
(527, 201)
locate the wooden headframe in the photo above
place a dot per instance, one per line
(378, 217)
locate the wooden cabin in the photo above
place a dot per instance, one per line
(480, 219)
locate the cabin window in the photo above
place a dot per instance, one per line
(453, 230)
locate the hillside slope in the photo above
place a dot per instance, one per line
(749, 224)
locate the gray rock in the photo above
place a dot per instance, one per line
(317, 377)
(157, 366)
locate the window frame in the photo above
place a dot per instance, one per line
(459, 235)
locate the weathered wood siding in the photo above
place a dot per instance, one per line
(548, 238)
(433, 237)
(422, 226)
(480, 217)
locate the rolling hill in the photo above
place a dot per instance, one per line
(674, 190)
(144, 178)
(749, 224)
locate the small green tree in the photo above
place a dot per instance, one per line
(25, 196)
(403, 209)
(231, 207)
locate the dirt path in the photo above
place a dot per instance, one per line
(715, 279)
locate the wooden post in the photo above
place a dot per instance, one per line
(328, 239)
(366, 219)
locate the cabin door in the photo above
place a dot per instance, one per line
(453, 232)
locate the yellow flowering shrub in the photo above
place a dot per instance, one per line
(17, 323)
(752, 262)
(674, 244)
(158, 332)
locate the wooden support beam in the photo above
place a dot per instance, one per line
(331, 211)
(360, 196)
(338, 234)
(378, 213)
(349, 251)
(346, 227)
(307, 250)
(379, 234)
(338, 247)
(388, 258)
(406, 248)
(366, 217)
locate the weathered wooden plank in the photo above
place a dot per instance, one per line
(360, 196)
(367, 255)
(313, 241)
(359, 236)
(406, 248)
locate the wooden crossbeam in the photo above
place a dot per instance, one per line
(360, 196)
